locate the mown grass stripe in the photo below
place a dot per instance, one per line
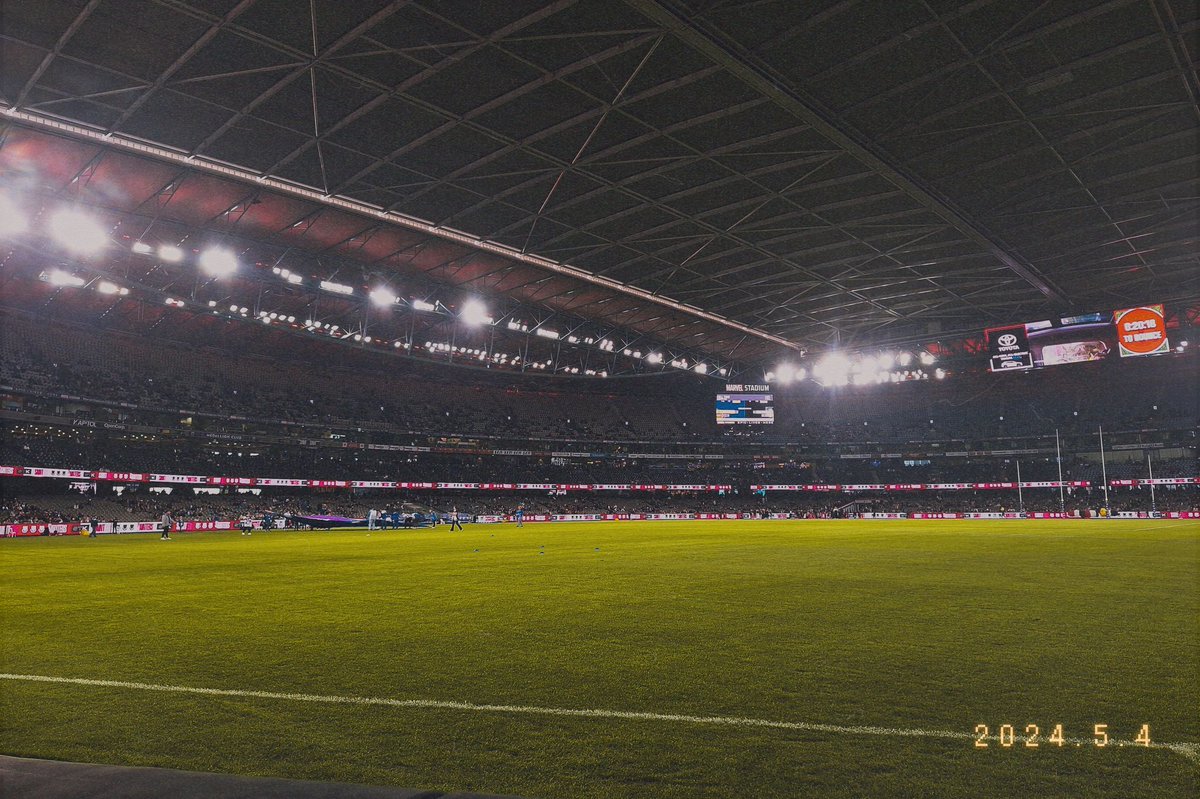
(1189, 750)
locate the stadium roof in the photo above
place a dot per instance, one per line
(732, 178)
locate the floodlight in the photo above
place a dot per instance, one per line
(832, 370)
(295, 279)
(142, 248)
(474, 313)
(421, 305)
(170, 253)
(546, 333)
(64, 279)
(786, 373)
(106, 287)
(700, 369)
(383, 297)
(904, 358)
(336, 288)
(77, 232)
(654, 357)
(939, 373)
(218, 263)
(927, 358)
(12, 221)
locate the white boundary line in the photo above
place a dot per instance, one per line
(1189, 750)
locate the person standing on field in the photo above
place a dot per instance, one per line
(454, 522)
(167, 523)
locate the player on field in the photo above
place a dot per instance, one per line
(454, 522)
(167, 523)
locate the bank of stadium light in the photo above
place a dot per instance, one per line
(336, 288)
(218, 262)
(654, 357)
(700, 368)
(546, 333)
(58, 277)
(108, 287)
(12, 220)
(142, 248)
(421, 305)
(77, 232)
(475, 313)
(927, 358)
(785, 373)
(832, 370)
(383, 297)
(170, 253)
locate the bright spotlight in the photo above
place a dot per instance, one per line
(383, 297)
(105, 287)
(218, 263)
(833, 370)
(336, 288)
(700, 368)
(63, 279)
(77, 232)
(474, 313)
(904, 359)
(142, 248)
(12, 221)
(927, 358)
(786, 373)
(939, 373)
(654, 357)
(170, 253)
(421, 305)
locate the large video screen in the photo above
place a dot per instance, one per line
(1076, 339)
(746, 404)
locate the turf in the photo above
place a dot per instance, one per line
(908, 625)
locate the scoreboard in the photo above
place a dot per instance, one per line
(745, 404)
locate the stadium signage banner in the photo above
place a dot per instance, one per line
(1008, 349)
(178, 478)
(123, 477)
(1158, 481)
(37, 471)
(931, 486)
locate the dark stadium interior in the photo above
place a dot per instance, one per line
(268, 259)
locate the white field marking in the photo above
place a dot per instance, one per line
(1189, 750)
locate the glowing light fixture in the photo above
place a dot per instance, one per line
(218, 262)
(77, 232)
(383, 297)
(474, 313)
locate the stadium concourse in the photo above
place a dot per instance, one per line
(818, 382)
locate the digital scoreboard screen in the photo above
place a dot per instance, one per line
(1128, 332)
(746, 404)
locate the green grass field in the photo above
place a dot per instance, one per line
(911, 626)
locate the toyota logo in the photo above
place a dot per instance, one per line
(1007, 340)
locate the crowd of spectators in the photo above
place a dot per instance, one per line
(227, 390)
